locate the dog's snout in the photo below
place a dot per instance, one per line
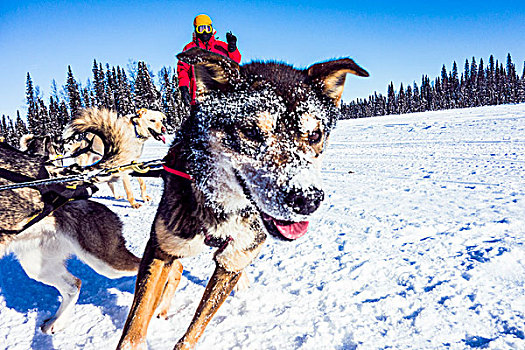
(305, 202)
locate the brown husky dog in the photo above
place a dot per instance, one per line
(253, 147)
(43, 243)
(137, 128)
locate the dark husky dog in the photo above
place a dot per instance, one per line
(83, 228)
(253, 148)
(44, 145)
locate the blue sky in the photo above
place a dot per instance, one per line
(395, 41)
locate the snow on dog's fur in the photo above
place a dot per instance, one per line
(253, 146)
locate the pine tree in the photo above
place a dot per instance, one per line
(401, 101)
(20, 126)
(32, 113)
(54, 117)
(11, 138)
(445, 90)
(86, 97)
(98, 84)
(467, 71)
(482, 85)
(511, 87)
(146, 94)
(75, 103)
(168, 103)
(110, 90)
(416, 99)
(426, 94)
(454, 87)
(3, 129)
(500, 84)
(409, 100)
(125, 97)
(465, 86)
(438, 94)
(63, 116)
(391, 100)
(54, 90)
(473, 85)
(182, 111)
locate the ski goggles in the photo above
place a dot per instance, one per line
(204, 28)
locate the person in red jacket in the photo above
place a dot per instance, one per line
(203, 37)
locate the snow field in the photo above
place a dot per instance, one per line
(419, 245)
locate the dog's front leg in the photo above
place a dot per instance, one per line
(151, 280)
(219, 287)
(129, 193)
(111, 185)
(174, 277)
(143, 194)
(230, 265)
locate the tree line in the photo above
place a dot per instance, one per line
(109, 87)
(478, 85)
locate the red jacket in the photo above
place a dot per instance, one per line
(185, 71)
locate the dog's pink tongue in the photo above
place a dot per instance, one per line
(291, 230)
(163, 138)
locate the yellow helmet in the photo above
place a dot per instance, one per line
(202, 20)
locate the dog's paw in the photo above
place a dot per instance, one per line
(118, 197)
(135, 204)
(163, 314)
(243, 283)
(51, 326)
(135, 344)
(146, 198)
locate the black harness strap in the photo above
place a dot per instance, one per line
(53, 196)
(14, 177)
(49, 207)
(88, 148)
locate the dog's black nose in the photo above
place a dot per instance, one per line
(304, 201)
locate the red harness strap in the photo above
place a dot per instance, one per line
(178, 173)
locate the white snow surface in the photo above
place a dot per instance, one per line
(419, 245)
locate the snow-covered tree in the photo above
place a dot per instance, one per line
(75, 102)
(146, 94)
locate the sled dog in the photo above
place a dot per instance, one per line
(138, 129)
(83, 228)
(44, 145)
(253, 147)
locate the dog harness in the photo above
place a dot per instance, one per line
(53, 196)
(167, 158)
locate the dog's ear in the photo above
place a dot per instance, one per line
(331, 76)
(212, 71)
(141, 112)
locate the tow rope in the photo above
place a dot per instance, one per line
(140, 168)
(88, 177)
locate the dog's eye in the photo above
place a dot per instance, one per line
(252, 133)
(315, 137)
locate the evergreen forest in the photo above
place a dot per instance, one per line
(127, 90)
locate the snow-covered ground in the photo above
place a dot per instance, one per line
(419, 245)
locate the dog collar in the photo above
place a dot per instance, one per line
(139, 136)
(177, 172)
